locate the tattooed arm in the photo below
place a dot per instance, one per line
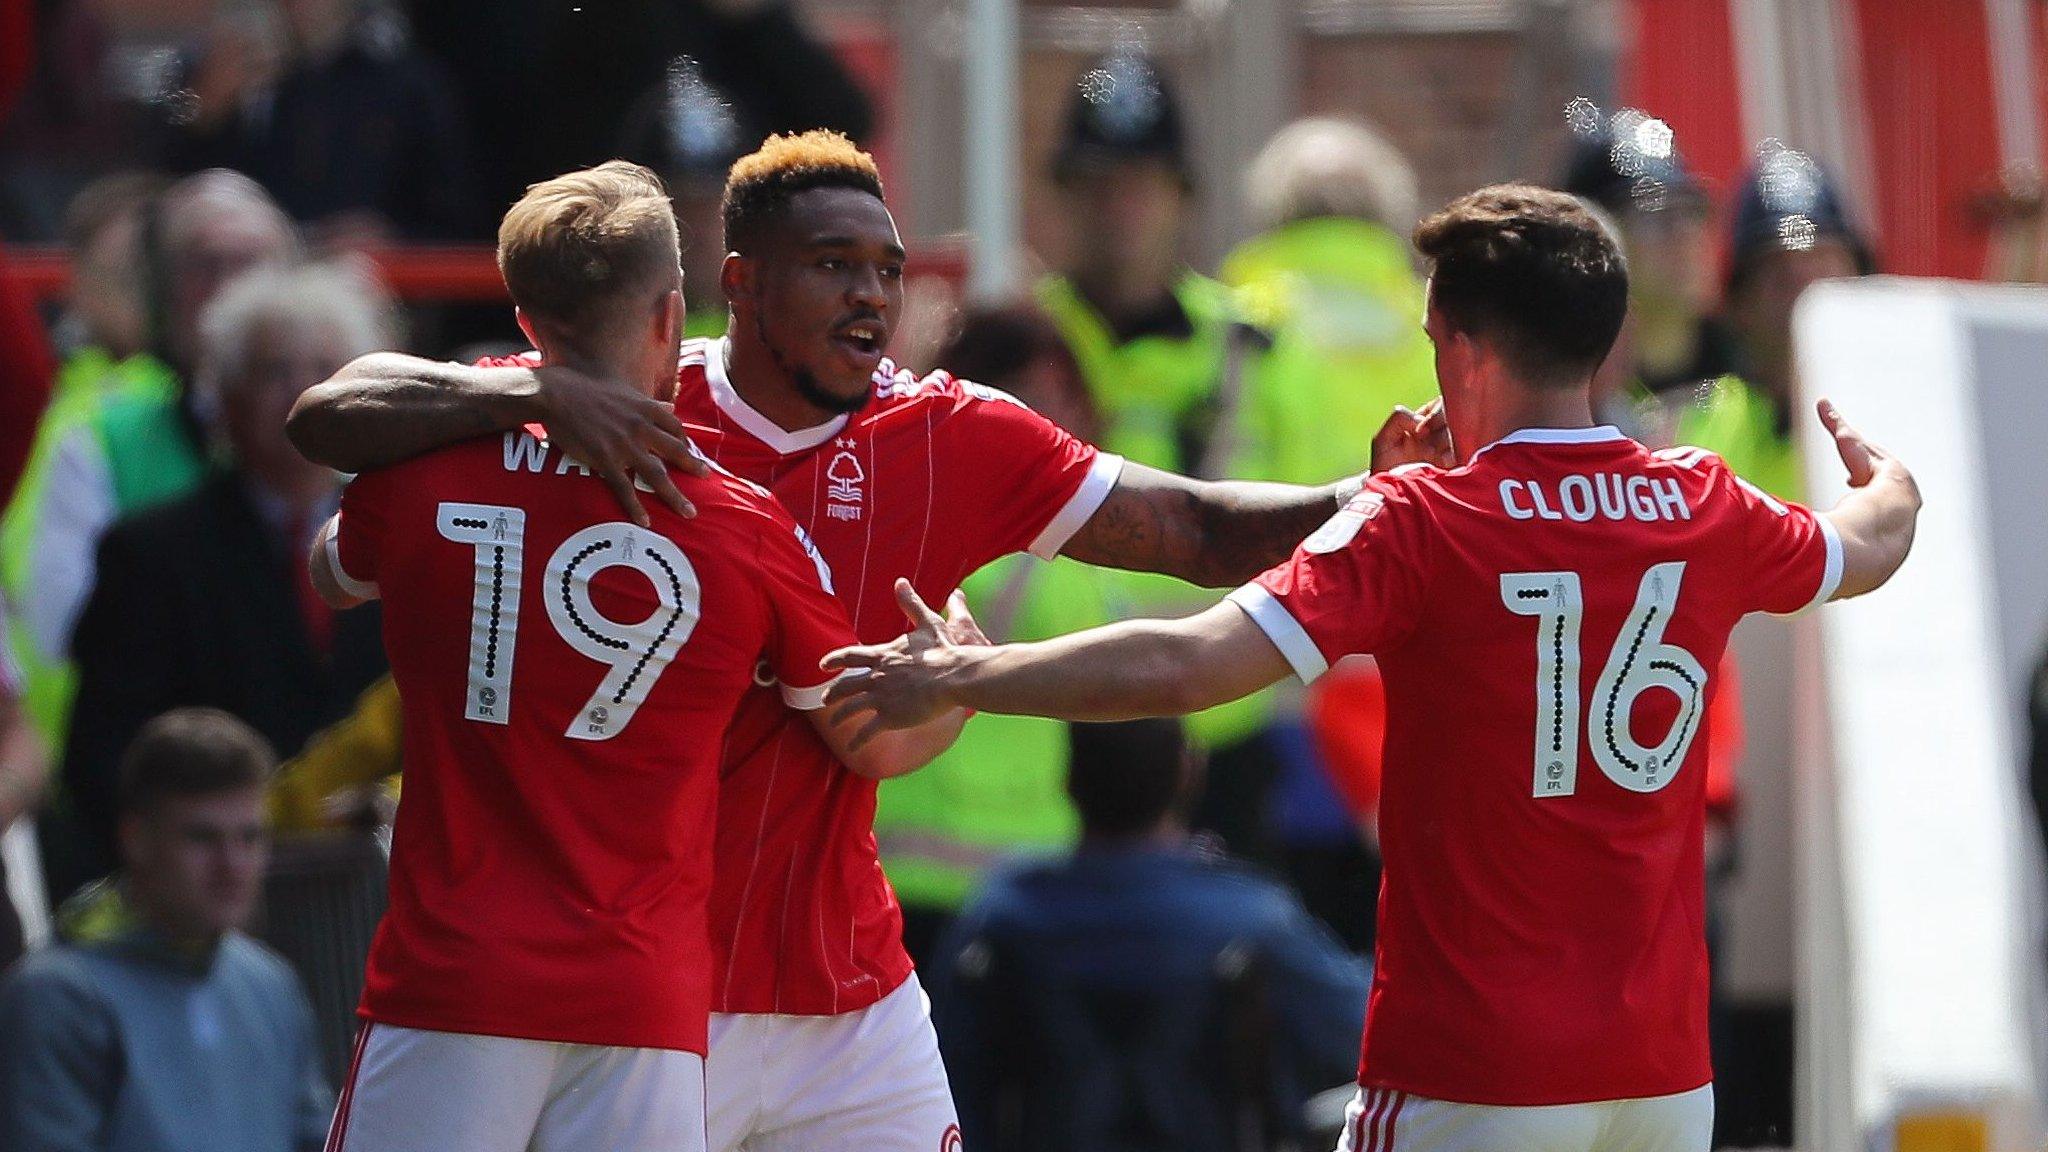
(1212, 533)
(387, 407)
(1220, 533)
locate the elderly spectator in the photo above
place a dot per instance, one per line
(157, 1025)
(206, 600)
(358, 137)
(139, 450)
(1138, 906)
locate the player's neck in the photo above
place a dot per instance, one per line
(1502, 411)
(757, 379)
(609, 364)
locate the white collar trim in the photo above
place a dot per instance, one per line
(749, 419)
(1600, 434)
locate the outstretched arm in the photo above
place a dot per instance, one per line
(1119, 672)
(1876, 518)
(387, 407)
(1222, 533)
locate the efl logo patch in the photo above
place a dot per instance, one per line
(950, 1142)
(1342, 528)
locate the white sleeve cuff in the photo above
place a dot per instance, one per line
(1831, 571)
(1095, 488)
(360, 589)
(1282, 629)
(807, 699)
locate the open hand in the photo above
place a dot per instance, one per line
(899, 681)
(1414, 437)
(629, 439)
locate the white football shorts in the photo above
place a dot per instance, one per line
(411, 1090)
(865, 1081)
(1383, 1120)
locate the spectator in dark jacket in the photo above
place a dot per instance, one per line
(1139, 907)
(205, 600)
(157, 1026)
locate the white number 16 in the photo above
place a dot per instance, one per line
(1640, 661)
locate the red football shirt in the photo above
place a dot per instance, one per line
(1546, 618)
(933, 479)
(568, 679)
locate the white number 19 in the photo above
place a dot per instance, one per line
(1640, 661)
(635, 654)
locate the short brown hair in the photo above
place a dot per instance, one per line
(1532, 271)
(761, 184)
(574, 246)
(192, 752)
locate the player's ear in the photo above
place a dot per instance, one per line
(736, 277)
(669, 316)
(526, 326)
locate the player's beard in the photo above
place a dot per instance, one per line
(806, 383)
(807, 386)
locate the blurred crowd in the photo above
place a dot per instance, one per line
(210, 168)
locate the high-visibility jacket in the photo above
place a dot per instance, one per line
(1739, 423)
(1345, 309)
(126, 415)
(1159, 393)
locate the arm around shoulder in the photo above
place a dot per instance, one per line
(386, 407)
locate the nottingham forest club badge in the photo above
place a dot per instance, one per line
(843, 479)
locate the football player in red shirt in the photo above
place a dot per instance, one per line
(822, 1038)
(543, 977)
(1545, 607)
